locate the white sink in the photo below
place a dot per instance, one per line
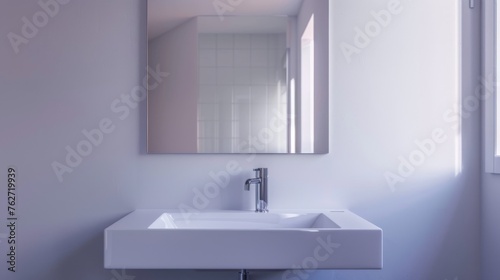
(242, 220)
(169, 239)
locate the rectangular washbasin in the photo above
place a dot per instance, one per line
(250, 220)
(305, 239)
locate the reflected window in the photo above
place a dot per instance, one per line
(490, 77)
(307, 88)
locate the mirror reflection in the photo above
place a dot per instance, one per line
(240, 79)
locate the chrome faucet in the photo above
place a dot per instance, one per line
(260, 181)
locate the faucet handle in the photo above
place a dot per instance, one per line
(260, 172)
(257, 172)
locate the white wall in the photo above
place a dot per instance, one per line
(391, 93)
(172, 110)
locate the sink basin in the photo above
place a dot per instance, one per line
(245, 220)
(314, 239)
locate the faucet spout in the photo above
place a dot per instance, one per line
(251, 181)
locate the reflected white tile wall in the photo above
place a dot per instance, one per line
(241, 75)
(258, 76)
(242, 41)
(259, 41)
(207, 58)
(225, 58)
(239, 83)
(241, 58)
(259, 58)
(225, 41)
(207, 41)
(207, 76)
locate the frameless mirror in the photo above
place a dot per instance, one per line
(243, 76)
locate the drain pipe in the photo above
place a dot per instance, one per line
(244, 275)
